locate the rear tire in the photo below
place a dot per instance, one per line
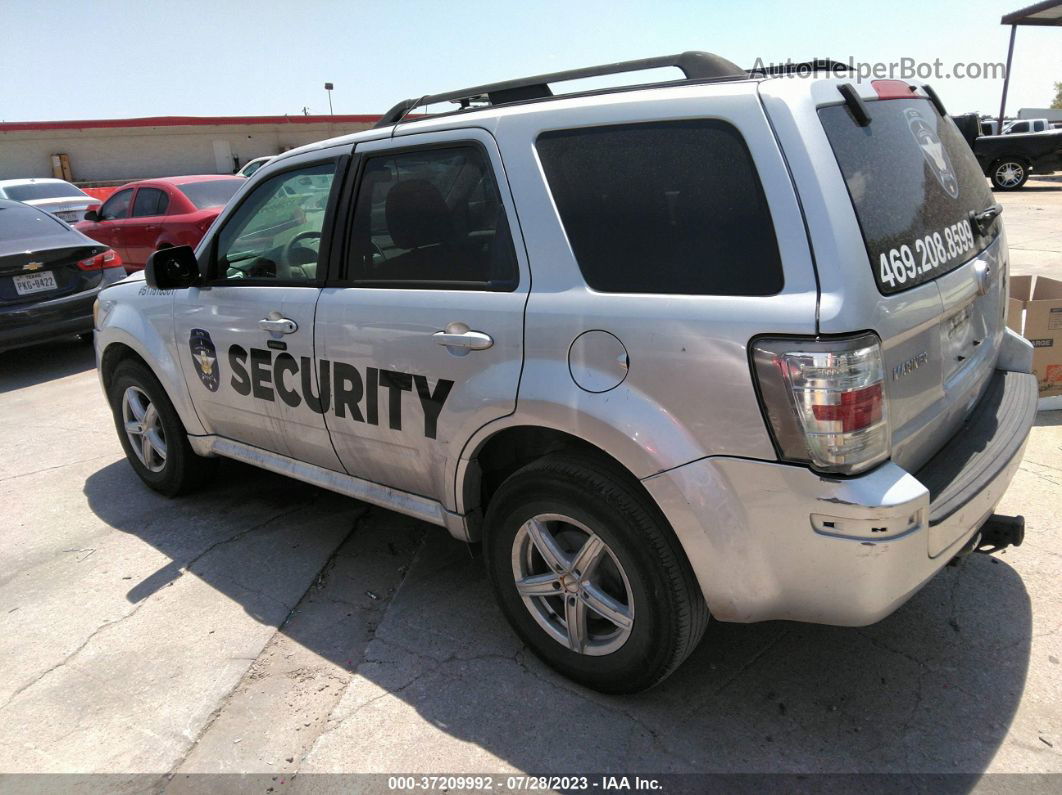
(151, 433)
(620, 624)
(1009, 174)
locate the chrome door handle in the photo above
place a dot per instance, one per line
(280, 325)
(463, 340)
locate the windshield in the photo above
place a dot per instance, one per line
(43, 190)
(913, 182)
(252, 167)
(213, 193)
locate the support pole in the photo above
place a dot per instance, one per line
(1006, 79)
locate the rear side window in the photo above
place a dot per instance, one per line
(431, 219)
(665, 207)
(150, 201)
(913, 182)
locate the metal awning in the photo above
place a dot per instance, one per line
(1045, 14)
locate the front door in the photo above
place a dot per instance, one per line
(422, 336)
(142, 229)
(112, 217)
(246, 337)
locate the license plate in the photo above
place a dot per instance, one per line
(34, 283)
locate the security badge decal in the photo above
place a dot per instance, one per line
(933, 151)
(205, 358)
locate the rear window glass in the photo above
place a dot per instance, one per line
(215, 193)
(18, 222)
(43, 190)
(665, 207)
(913, 182)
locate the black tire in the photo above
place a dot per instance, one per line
(1004, 172)
(669, 612)
(182, 470)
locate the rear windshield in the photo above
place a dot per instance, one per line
(43, 190)
(19, 222)
(213, 193)
(913, 181)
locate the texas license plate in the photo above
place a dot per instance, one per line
(34, 282)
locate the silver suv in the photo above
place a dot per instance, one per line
(730, 345)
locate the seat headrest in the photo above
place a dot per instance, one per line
(417, 214)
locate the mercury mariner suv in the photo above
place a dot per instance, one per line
(729, 345)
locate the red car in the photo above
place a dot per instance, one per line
(142, 217)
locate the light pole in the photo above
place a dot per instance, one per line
(328, 88)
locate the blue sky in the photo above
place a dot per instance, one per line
(76, 59)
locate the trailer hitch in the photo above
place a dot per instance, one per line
(1000, 532)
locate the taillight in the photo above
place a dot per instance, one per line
(108, 259)
(825, 400)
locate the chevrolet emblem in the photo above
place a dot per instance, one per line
(33, 266)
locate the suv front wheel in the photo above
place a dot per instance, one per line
(590, 575)
(152, 435)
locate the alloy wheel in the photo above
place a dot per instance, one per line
(143, 426)
(573, 584)
(1009, 175)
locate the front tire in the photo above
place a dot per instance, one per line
(152, 435)
(590, 575)
(1009, 174)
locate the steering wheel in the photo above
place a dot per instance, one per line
(289, 249)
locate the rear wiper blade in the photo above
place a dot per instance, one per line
(983, 220)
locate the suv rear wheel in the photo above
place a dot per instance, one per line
(1009, 174)
(590, 575)
(152, 435)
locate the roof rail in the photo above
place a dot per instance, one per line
(694, 65)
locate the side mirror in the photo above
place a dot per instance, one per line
(172, 269)
(92, 215)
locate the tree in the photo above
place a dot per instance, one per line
(1058, 97)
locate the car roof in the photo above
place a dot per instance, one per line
(175, 181)
(6, 183)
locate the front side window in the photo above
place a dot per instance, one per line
(117, 206)
(276, 232)
(149, 202)
(663, 207)
(431, 218)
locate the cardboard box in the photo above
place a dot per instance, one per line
(1042, 326)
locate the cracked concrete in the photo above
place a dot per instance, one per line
(266, 627)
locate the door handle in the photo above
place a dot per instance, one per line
(278, 325)
(460, 339)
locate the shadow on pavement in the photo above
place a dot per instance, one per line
(1045, 418)
(25, 367)
(933, 688)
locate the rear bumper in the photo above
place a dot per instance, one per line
(30, 324)
(774, 541)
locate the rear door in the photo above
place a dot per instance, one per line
(422, 336)
(890, 206)
(246, 337)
